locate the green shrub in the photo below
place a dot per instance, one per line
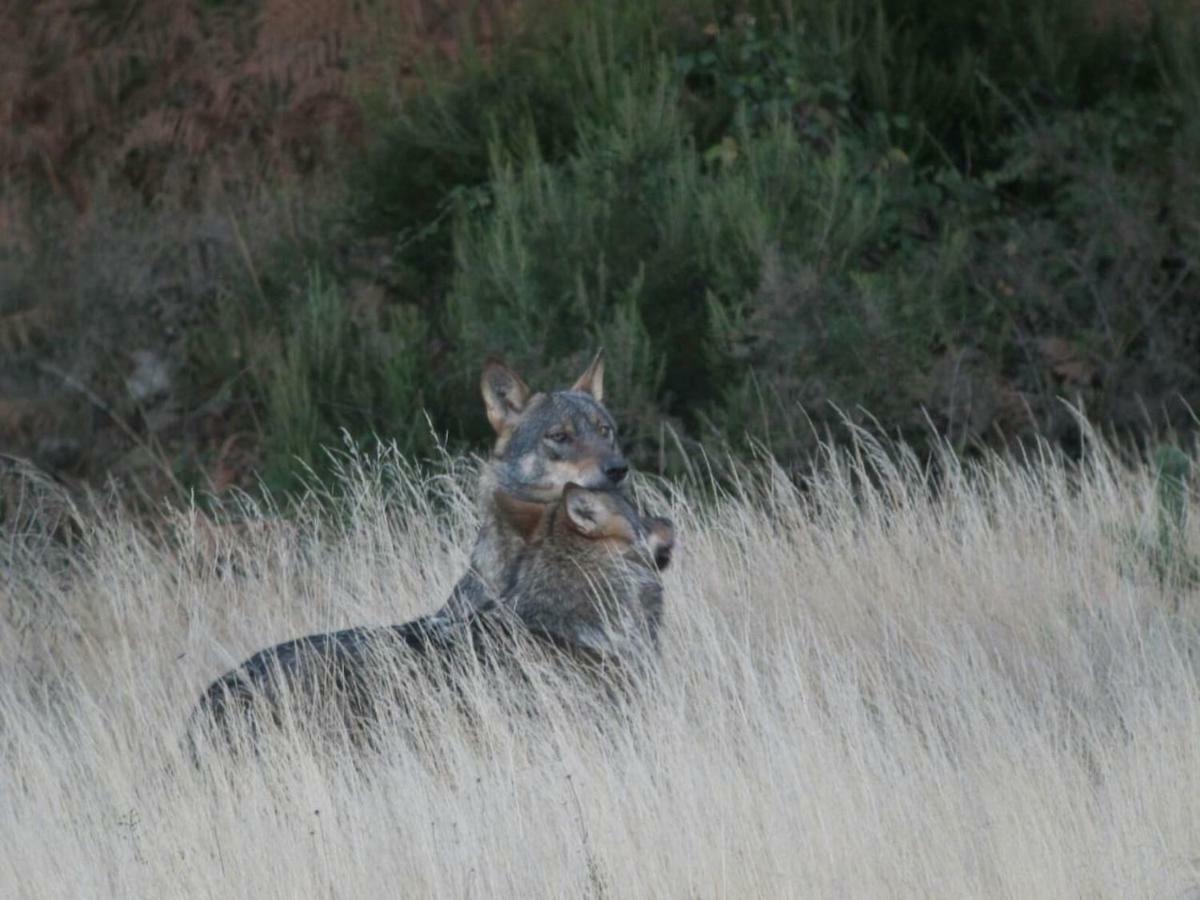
(772, 215)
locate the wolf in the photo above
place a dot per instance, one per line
(588, 573)
(544, 441)
(583, 590)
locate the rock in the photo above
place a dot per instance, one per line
(150, 378)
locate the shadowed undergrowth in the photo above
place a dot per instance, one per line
(929, 210)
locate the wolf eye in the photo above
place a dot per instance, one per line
(606, 431)
(558, 437)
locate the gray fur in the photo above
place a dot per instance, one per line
(603, 595)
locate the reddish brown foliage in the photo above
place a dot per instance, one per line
(173, 97)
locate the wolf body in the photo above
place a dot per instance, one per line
(582, 589)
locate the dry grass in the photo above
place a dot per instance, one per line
(865, 692)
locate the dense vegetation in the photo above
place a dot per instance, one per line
(772, 215)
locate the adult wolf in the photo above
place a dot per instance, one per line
(544, 441)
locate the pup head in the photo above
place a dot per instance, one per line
(593, 521)
(545, 441)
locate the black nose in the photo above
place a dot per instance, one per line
(616, 472)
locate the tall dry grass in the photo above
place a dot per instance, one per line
(870, 687)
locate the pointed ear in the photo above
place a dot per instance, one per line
(524, 516)
(660, 535)
(592, 380)
(504, 394)
(590, 513)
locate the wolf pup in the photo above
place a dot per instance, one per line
(543, 442)
(588, 577)
(584, 588)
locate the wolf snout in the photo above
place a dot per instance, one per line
(616, 470)
(660, 535)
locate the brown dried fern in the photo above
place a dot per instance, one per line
(176, 93)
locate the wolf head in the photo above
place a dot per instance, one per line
(590, 526)
(545, 441)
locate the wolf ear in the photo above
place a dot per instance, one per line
(523, 515)
(588, 513)
(660, 535)
(504, 394)
(592, 380)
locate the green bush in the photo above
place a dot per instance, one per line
(771, 215)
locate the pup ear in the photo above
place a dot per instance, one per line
(660, 535)
(504, 394)
(587, 512)
(524, 516)
(592, 380)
